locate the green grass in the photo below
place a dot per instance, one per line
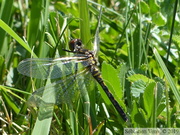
(135, 40)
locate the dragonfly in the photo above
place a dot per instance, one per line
(68, 70)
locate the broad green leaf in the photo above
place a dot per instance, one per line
(144, 118)
(154, 7)
(122, 75)
(144, 7)
(137, 77)
(176, 39)
(134, 112)
(111, 75)
(148, 98)
(61, 6)
(160, 108)
(137, 115)
(158, 19)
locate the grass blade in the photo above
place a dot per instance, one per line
(167, 74)
(5, 27)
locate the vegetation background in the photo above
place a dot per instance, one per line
(139, 58)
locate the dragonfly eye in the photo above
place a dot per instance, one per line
(74, 43)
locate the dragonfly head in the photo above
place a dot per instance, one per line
(75, 44)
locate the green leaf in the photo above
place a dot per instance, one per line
(138, 87)
(122, 74)
(137, 115)
(111, 75)
(158, 19)
(176, 39)
(154, 7)
(143, 117)
(134, 112)
(61, 6)
(160, 93)
(137, 77)
(144, 7)
(160, 108)
(148, 98)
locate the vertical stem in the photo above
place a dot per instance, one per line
(84, 23)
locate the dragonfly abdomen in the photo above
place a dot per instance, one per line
(97, 75)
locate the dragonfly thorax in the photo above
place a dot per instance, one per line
(76, 46)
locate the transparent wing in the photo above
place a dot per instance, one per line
(62, 91)
(51, 68)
